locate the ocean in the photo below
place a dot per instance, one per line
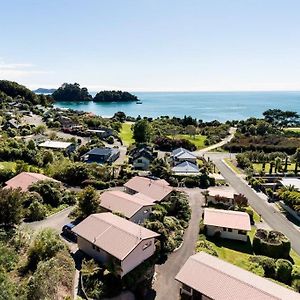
(206, 106)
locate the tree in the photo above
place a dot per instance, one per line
(88, 201)
(114, 96)
(40, 129)
(45, 246)
(7, 288)
(36, 211)
(297, 160)
(191, 130)
(240, 200)
(142, 131)
(11, 206)
(277, 164)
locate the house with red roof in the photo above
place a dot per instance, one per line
(206, 277)
(135, 208)
(227, 223)
(25, 179)
(109, 238)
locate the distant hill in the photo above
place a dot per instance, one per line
(44, 91)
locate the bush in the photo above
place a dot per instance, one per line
(36, 211)
(267, 263)
(206, 246)
(110, 140)
(284, 271)
(296, 278)
(271, 243)
(97, 184)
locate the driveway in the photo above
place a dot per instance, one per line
(56, 221)
(272, 216)
(165, 285)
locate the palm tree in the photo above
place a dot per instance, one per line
(277, 164)
(89, 267)
(297, 160)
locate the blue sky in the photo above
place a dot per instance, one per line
(162, 45)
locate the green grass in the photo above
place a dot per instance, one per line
(293, 129)
(198, 140)
(231, 164)
(126, 134)
(8, 165)
(258, 167)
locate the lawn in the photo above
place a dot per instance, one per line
(8, 165)
(198, 140)
(126, 134)
(258, 167)
(293, 129)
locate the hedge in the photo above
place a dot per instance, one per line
(271, 243)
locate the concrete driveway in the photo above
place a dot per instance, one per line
(165, 285)
(274, 218)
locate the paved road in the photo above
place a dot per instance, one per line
(166, 286)
(56, 221)
(201, 152)
(273, 217)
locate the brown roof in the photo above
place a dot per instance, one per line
(227, 218)
(155, 189)
(26, 179)
(221, 280)
(113, 234)
(123, 203)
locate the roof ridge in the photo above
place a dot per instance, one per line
(231, 276)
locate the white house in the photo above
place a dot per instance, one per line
(217, 194)
(186, 168)
(156, 189)
(227, 223)
(206, 277)
(136, 208)
(109, 238)
(180, 155)
(58, 145)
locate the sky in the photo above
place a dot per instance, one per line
(152, 45)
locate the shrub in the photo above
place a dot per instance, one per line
(296, 278)
(36, 211)
(267, 263)
(97, 184)
(110, 140)
(284, 271)
(206, 246)
(271, 243)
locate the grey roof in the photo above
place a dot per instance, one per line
(291, 181)
(183, 153)
(186, 167)
(105, 151)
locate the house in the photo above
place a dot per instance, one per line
(102, 132)
(205, 277)
(58, 145)
(157, 189)
(135, 208)
(180, 155)
(221, 194)
(227, 223)
(12, 123)
(186, 168)
(65, 122)
(101, 155)
(109, 238)
(142, 157)
(25, 179)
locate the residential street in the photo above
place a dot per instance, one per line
(166, 286)
(273, 217)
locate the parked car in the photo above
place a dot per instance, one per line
(68, 233)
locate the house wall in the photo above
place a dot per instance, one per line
(140, 215)
(234, 235)
(87, 247)
(138, 255)
(180, 160)
(143, 165)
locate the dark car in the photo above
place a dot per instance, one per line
(68, 233)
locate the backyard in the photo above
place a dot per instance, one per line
(126, 134)
(198, 140)
(258, 167)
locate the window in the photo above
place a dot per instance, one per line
(224, 228)
(147, 245)
(242, 232)
(229, 230)
(139, 160)
(186, 288)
